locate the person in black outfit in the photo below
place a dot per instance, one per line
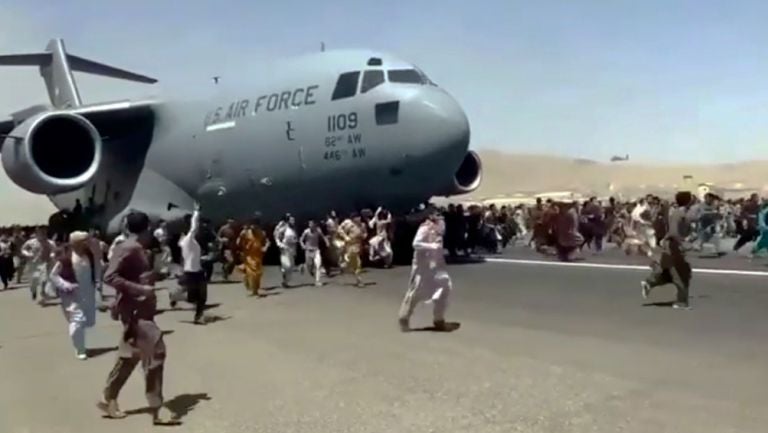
(672, 266)
(748, 224)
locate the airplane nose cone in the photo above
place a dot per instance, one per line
(445, 124)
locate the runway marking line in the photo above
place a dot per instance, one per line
(623, 267)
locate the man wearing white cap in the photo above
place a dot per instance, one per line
(76, 276)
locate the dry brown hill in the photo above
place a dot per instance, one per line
(506, 174)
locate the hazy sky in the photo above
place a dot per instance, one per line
(658, 79)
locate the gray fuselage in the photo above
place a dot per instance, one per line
(303, 140)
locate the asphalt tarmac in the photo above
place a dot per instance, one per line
(542, 347)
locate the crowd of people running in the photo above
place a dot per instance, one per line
(72, 263)
(565, 228)
(550, 227)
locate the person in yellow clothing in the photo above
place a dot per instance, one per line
(352, 231)
(252, 244)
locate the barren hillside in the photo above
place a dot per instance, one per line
(514, 173)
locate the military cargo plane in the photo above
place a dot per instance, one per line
(335, 130)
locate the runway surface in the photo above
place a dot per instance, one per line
(541, 348)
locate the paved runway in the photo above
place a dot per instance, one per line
(541, 348)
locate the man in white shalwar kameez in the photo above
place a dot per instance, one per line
(38, 253)
(164, 259)
(287, 240)
(76, 276)
(380, 247)
(429, 280)
(643, 226)
(310, 242)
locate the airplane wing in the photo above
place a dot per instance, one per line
(110, 118)
(6, 127)
(118, 118)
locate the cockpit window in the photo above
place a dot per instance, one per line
(374, 61)
(371, 79)
(425, 78)
(411, 76)
(346, 85)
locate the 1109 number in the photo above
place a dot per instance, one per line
(342, 122)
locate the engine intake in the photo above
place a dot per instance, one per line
(469, 175)
(52, 153)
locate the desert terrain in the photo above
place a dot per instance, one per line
(506, 174)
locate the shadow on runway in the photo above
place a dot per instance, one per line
(298, 286)
(180, 406)
(353, 284)
(225, 282)
(207, 320)
(659, 304)
(712, 256)
(48, 304)
(449, 327)
(13, 287)
(464, 260)
(165, 310)
(263, 294)
(183, 404)
(167, 332)
(96, 352)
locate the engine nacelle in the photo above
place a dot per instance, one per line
(52, 153)
(469, 175)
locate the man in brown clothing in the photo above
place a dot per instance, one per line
(130, 274)
(672, 266)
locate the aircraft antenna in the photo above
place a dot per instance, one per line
(216, 79)
(322, 47)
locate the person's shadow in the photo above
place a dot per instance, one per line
(449, 327)
(180, 406)
(98, 351)
(183, 404)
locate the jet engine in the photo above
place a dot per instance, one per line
(52, 153)
(469, 175)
